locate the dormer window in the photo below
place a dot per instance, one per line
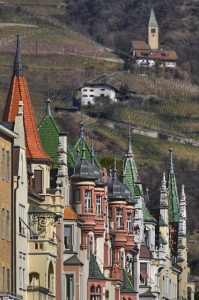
(88, 201)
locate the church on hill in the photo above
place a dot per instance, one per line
(151, 54)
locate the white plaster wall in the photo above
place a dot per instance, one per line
(88, 94)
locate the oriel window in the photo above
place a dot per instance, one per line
(68, 240)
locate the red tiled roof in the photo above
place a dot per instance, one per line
(140, 45)
(156, 54)
(19, 91)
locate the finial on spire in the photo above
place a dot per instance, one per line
(171, 168)
(183, 196)
(146, 198)
(18, 68)
(130, 152)
(82, 128)
(123, 171)
(48, 102)
(92, 152)
(83, 150)
(115, 167)
(163, 185)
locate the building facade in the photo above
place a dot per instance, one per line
(71, 229)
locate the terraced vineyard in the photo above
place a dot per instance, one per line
(166, 104)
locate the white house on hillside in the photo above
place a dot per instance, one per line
(90, 92)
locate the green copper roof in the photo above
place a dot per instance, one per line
(173, 202)
(137, 191)
(152, 21)
(49, 136)
(127, 286)
(146, 214)
(94, 269)
(77, 152)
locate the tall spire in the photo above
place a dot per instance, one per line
(92, 153)
(48, 102)
(83, 150)
(82, 128)
(115, 167)
(18, 68)
(163, 187)
(171, 167)
(130, 152)
(152, 20)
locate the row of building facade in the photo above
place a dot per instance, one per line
(70, 229)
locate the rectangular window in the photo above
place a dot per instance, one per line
(7, 165)
(3, 164)
(20, 278)
(119, 219)
(4, 279)
(68, 237)
(38, 181)
(69, 287)
(21, 219)
(153, 30)
(8, 280)
(3, 223)
(129, 227)
(88, 201)
(8, 225)
(99, 206)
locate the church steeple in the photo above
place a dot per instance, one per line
(19, 92)
(173, 203)
(18, 67)
(153, 32)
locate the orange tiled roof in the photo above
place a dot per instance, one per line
(69, 214)
(156, 54)
(19, 91)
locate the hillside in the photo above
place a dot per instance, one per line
(48, 45)
(57, 60)
(116, 23)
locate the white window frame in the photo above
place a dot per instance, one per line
(21, 219)
(88, 201)
(99, 206)
(120, 218)
(129, 222)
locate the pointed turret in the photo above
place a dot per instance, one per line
(49, 134)
(19, 92)
(18, 68)
(183, 214)
(130, 173)
(153, 32)
(152, 20)
(173, 203)
(163, 202)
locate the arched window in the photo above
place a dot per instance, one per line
(34, 279)
(95, 292)
(51, 278)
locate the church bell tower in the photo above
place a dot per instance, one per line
(153, 32)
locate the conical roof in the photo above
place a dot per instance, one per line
(49, 135)
(19, 92)
(152, 20)
(173, 202)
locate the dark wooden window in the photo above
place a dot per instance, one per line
(38, 181)
(153, 30)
